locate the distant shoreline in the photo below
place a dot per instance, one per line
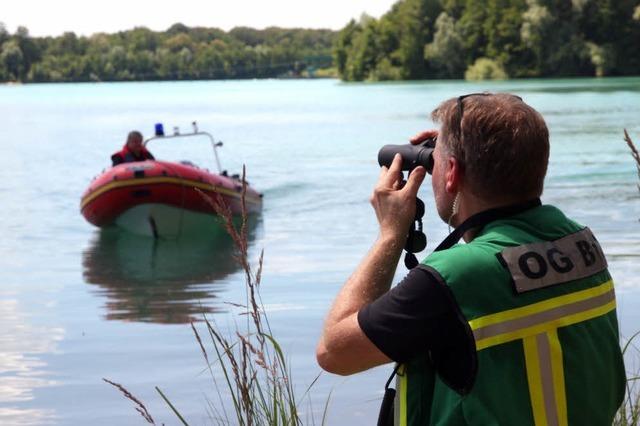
(537, 79)
(180, 53)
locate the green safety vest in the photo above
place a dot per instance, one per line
(540, 303)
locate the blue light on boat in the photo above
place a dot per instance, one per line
(159, 129)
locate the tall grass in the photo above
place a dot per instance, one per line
(629, 412)
(257, 377)
(254, 385)
(634, 152)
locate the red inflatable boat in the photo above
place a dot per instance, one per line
(163, 199)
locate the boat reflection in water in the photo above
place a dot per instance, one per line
(162, 281)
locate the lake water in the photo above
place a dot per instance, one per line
(77, 305)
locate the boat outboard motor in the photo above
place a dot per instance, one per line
(412, 157)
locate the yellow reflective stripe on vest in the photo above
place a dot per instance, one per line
(537, 326)
(400, 408)
(545, 375)
(536, 318)
(533, 377)
(557, 370)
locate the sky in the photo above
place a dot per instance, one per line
(85, 17)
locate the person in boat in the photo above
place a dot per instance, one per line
(518, 325)
(133, 150)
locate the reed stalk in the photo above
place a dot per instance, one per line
(634, 152)
(139, 406)
(257, 380)
(629, 412)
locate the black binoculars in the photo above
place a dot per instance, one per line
(412, 155)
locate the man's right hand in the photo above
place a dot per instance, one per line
(423, 136)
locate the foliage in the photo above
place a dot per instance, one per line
(485, 69)
(326, 73)
(180, 53)
(384, 70)
(253, 365)
(12, 59)
(445, 51)
(528, 38)
(602, 58)
(415, 39)
(629, 412)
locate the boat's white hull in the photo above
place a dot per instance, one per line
(164, 221)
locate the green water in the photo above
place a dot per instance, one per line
(77, 305)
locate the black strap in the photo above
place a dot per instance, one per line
(385, 415)
(485, 217)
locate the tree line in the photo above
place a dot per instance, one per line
(479, 39)
(180, 53)
(415, 39)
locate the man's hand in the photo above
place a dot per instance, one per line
(394, 202)
(343, 347)
(423, 136)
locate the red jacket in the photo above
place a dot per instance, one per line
(127, 156)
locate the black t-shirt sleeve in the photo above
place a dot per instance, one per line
(403, 322)
(420, 317)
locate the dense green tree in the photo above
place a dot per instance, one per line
(602, 58)
(417, 18)
(471, 27)
(4, 34)
(536, 31)
(343, 44)
(12, 58)
(444, 52)
(248, 36)
(142, 39)
(522, 38)
(610, 25)
(31, 52)
(179, 53)
(485, 69)
(502, 31)
(363, 54)
(453, 8)
(177, 28)
(552, 38)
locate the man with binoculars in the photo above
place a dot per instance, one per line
(515, 326)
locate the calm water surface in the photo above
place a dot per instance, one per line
(77, 305)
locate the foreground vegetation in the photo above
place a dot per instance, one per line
(426, 39)
(629, 412)
(248, 367)
(180, 53)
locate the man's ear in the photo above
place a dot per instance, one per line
(453, 176)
